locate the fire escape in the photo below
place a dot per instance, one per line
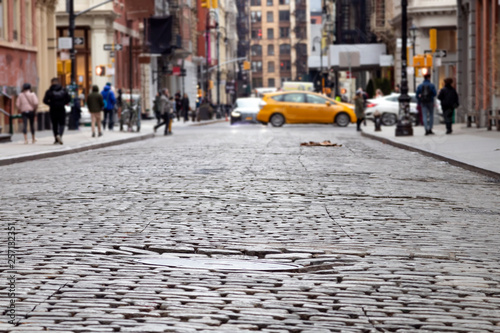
(353, 22)
(301, 39)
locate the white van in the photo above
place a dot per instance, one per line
(294, 86)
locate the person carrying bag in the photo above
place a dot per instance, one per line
(27, 104)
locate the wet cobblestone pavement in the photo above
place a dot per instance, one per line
(385, 240)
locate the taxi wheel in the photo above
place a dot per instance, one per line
(277, 120)
(342, 119)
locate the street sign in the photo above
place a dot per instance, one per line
(438, 53)
(79, 40)
(112, 54)
(113, 47)
(64, 43)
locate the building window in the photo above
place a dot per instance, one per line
(284, 2)
(256, 66)
(270, 33)
(257, 34)
(284, 16)
(269, 2)
(28, 28)
(16, 17)
(256, 16)
(270, 17)
(301, 33)
(285, 66)
(271, 83)
(255, 3)
(270, 49)
(257, 82)
(284, 49)
(285, 32)
(256, 50)
(270, 67)
(3, 24)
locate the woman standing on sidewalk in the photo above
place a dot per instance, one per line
(27, 103)
(95, 103)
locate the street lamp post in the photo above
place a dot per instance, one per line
(403, 127)
(315, 40)
(413, 33)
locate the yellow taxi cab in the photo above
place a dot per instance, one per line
(299, 107)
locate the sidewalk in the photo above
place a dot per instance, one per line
(471, 148)
(78, 141)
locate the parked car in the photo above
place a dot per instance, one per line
(297, 107)
(245, 110)
(388, 106)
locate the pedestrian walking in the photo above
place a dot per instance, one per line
(449, 102)
(95, 103)
(178, 105)
(27, 103)
(359, 109)
(119, 104)
(165, 109)
(156, 107)
(56, 97)
(185, 107)
(109, 106)
(379, 93)
(426, 92)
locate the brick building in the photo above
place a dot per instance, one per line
(27, 53)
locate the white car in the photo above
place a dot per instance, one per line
(245, 110)
(388, 107)
(85, 118)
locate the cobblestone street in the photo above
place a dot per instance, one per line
(384, 240)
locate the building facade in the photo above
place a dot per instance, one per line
(27, 54)
(424, 15)
(108, 25)
(279, 41)
(478, 58)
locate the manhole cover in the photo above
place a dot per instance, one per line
(221, 264)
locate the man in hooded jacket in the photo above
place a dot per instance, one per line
(56, 98)
(109, 106)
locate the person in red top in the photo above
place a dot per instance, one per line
(27, 103)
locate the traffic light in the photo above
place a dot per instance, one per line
(215, 4)
(100, 70)
(205, 3)
(246, 65)
(433, 39)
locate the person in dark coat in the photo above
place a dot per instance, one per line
(185, 107)
(95, 103)
(449, 102)
(359, 109)
(178, 105)
(156, 107)
(165, 108)
(56, 97)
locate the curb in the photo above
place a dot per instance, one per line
(462, 165)
(13, 160)
(209, 122)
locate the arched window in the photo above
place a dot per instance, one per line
(284, 49)
(256, 50)
(270, 49)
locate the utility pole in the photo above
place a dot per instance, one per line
(403, 127)
(70, 8)
(218, 115)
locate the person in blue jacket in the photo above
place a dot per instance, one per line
(109, 106)
(426, 93)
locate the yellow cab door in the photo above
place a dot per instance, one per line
(294, 105)
(321, 109)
